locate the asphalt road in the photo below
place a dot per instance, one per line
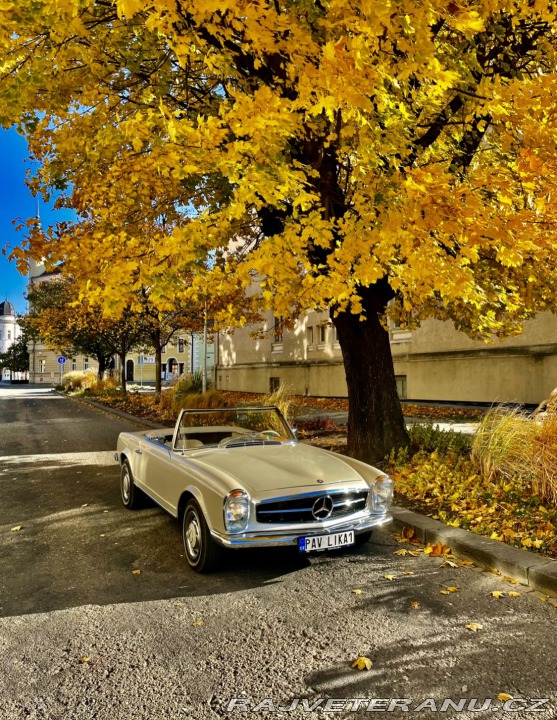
(84, 638)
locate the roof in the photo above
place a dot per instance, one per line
(6, 308)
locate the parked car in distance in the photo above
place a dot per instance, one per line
(239, 478)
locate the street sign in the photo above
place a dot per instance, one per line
(61, 360)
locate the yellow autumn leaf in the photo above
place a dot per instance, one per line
(474, 626)
(437, 549)
(17, 528)
(497, 594)
(84, 660)
(402, 552)
(503, 697)
(197, 623)
(513, 593)
(136, 572)
(415, 604)
(450, 563)
(362, 663)
(178, 604)
(357, 591)
(389, 577)
(407, 572)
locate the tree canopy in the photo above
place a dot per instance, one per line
(347, 154)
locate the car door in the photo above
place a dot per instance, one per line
(156, 467)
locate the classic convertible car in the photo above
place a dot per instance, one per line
(238, 478)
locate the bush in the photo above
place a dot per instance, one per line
(281, 398)
(210, 399)
(503, 443)
(430, 438)
(512, 445)
(189, 383)
(73, 381)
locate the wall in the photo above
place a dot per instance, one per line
(434, 362)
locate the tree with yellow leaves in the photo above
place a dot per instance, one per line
(380, 160)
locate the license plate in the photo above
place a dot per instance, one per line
(326, 542)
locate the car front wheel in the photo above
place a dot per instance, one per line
(202, 552)
(131, 495)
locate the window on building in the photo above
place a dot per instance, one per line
(274, 384)
(0, 335)
(86, 363)
(335, 334)
(42, 366)
(74, 364)
(309, 335)
(401, 386)
(181, 345)
(163, 349)
(9, 334)
(322, 334)
(277, 332)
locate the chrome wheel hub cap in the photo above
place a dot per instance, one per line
(193, 536)
(126, 486)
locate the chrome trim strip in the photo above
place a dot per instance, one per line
(290, 536)
(317, 493)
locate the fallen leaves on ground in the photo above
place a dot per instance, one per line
(497, 594)
(197, 623)
(389, 577)
(136, 572)
(513, 593)
(415, 604)
(437, 550)
(362, 663)
(357, 591)
(504, 697)
(448, 590)
(17, 528)
(474, 626)
(449, 487)
(84, 660)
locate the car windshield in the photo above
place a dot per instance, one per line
(232, 427)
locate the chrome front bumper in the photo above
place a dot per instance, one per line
(290, 537)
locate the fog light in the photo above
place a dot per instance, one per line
(236, 511)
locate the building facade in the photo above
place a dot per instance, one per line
(434, 362)
(44, 367)
(182, 354)
(9, 333)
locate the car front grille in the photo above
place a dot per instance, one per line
(299, 509)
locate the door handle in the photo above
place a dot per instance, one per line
(139, 452)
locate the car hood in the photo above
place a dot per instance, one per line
(263, 468)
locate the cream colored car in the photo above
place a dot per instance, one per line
(238, 478)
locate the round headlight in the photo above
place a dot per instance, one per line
(236, 511)
(382, 493)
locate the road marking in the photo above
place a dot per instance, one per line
(105, 457)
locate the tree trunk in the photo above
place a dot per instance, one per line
(122, 356)
(102, 366)
(375, 421)
(158, 367)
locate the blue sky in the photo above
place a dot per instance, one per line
(17, 202)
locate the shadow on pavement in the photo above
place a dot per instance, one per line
(78, 545)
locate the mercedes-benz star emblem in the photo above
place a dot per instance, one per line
(322, 507)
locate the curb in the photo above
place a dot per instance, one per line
(119, 413)
(536, 571)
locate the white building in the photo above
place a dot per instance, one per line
(9, 331)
